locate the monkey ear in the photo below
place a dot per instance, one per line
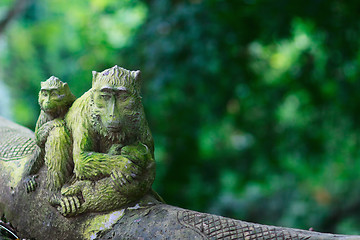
(66, 86)
(94, 73)
(137, 75)
(137, 80)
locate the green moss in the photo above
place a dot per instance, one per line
(100, 223)
(16, 169)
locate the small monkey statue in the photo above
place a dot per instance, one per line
(55, 99)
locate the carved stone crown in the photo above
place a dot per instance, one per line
(52, 82)
(119, 77)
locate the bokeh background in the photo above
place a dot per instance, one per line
(253, 104)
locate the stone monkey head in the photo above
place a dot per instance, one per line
(55, 97)
(116, 102)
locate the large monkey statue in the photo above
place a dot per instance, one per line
(113, 149)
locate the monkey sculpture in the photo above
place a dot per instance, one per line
(113, 150)
(55, 99)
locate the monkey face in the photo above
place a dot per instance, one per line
(116, 107)
(55, 97)
(50, 100)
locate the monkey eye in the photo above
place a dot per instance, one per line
(122, 96)
(54, 94)
(105, 97)
(44, 93)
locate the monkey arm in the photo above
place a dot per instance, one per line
(31, 168)
(55, 150)
(127, 181)
(93, 165)
(43, 118)
(42, 132)
(90, 164)
(133, 161)
(37, 159)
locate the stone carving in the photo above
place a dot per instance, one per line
(101, 142)
(216, 227)
(55, 99)
(97, 155)
(14, 144)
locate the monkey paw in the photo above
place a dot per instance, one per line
(30, 183)
(43, 132)
(67, 206)
(121, 180)
(138, 154)
(115, 149)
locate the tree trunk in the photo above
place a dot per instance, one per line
(33, 216)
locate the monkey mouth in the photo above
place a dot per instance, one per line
(114, 129)
(48, 110)
(111, 127)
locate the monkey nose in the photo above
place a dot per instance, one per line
(114, 125)
(46, 104)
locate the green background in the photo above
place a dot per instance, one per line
(253, 104)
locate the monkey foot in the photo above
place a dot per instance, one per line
(68, 206)
(30, 183)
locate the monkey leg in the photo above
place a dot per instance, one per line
(88, 196)
(106, 194)
(128, 180)
(58, 157)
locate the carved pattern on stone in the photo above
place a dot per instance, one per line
(15, 145)
(216, 227)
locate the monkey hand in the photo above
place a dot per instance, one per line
(121, 180)
(43, 132)
(115, 149)
(30, 183)
(72, 202)
(139, 154)
(75, 189)
(136, 161)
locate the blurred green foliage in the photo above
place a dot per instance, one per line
(253, 104)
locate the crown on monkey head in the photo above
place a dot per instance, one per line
(52, 82)
(119, 77)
